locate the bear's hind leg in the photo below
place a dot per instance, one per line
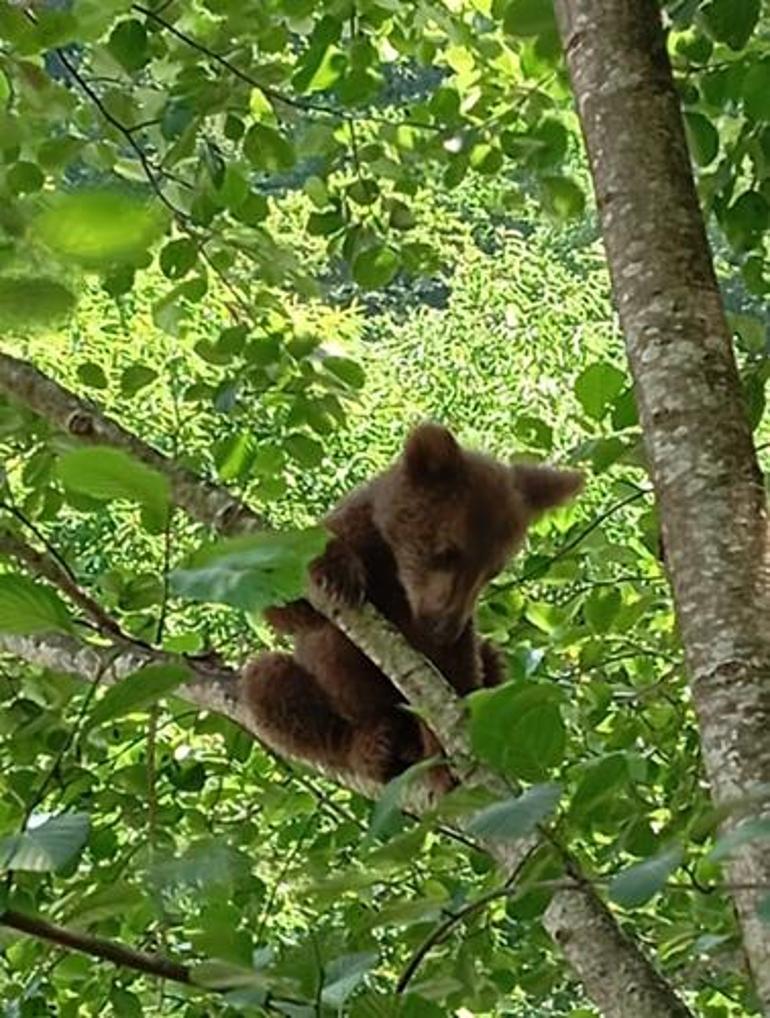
(294, 714)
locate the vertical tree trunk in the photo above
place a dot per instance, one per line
(707, 481)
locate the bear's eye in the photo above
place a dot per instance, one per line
(446, 558)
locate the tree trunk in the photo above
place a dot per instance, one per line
(708, 484)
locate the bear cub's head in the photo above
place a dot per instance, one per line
(452, 518)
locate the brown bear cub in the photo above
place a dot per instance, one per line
(419, 541)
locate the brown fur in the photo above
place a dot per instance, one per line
(419, 541)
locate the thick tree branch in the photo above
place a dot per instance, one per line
(697, 435)
(97, 947)
(422, 685)
(208, 503)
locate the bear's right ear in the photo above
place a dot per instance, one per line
(546, 487)
(431, 453)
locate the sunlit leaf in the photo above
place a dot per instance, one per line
(97, 227)
(46, 847)
(635, 886)
(29, 607)
(251, 572)
(28, 302)
(139, 690)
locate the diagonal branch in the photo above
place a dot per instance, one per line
(208, 503)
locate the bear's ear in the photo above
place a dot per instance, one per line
(431, 453)
(546, 487)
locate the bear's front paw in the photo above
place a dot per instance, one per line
(340, 574)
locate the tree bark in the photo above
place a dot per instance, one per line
(698, 440)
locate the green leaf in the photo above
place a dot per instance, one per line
(178, 257)
(746, 220)
(5, 90)
(518, 729)
(346, 370)
(388, 806)
(139, 690)
(635, 886)
(601, 607)
(304, 450)
(344, 975)
(28, 607)
(92, 375)
(267, 149)
(25, 177)
(98, 227)
(731, 21)
(375, 267)
(26, 302)
(529, 17)
(599, 779)
(757, 829)
(562, 197)
(135, 378)
(516, 817)
(128, 44)
(755, 91)
(251, 572)
(47, 847)
(763, 909)
(597, 387)
(102, 472)
(702, 137)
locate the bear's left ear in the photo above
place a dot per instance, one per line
(546, 487)
(431, 453)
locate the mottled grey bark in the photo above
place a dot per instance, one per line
(422, 685)
(614, 973)
(709, 487)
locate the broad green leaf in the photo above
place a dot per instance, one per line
(597, 387)
(756, 91)
(26, 302)
(599, 779)
(5, 89)
(267, 149)
(746, 220)
(178, 257)
(731, 21)
(139, 690)
(702, 137)
(98, 227)
(343, 975)
(251, 572)
(749, 830)
(563, 197)
(518, 729)
(28, 607)
(763, 909)
(135, 378)
(128, 44)
(601, 607)
(92, 375)
(375, 267)
(516, 817)
(635, 886)
(105, 473)
(347, 370)
(46, 847)
(25, 177)
(304, 450)
(388, 805)
(529, 17)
